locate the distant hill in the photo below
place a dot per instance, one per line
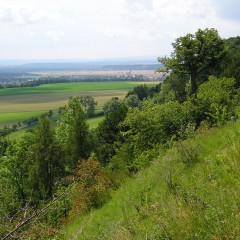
(135, 63)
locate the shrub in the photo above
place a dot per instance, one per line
(92, 191)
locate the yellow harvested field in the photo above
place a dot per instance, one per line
(39, 102)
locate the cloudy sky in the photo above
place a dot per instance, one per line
(91, 29)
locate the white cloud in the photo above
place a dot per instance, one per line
(106, 28)
(54, 36)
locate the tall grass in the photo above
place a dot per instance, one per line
(177, 197)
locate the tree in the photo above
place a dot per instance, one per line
(88, 105)
(232, 63)
(141, 91)
(109, 130)
(217, 98)
(155, 124)
(73, 133)
(132, 101)
(17, 166)
(198, 55)
(47, 161)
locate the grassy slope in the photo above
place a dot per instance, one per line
(175, 200)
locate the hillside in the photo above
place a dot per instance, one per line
(190, 192)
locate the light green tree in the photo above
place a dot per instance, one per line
(72, 132)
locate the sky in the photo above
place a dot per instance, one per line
(93, 29)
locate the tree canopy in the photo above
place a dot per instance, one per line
(198, 55)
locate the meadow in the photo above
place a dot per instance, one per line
(174, 200)
(18, 104)
(70, 87)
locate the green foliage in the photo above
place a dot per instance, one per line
(132, 101)
(217, 99)
(109, 130)
(47, 158)
(72, 132)
(175, 200)
(232, 62)
(18, 163)
(155, 124)
(143, 91)
(198, 55)
(173, 89)
(60, 209)
(88, 104)
(3, 146)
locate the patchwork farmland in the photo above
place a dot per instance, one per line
(18, 104)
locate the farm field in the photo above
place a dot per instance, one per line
(18, 104)
(70, 87)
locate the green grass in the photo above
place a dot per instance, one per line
(175, 198)
(68, 87)
(93, 122)
(8, 118)
(19, 102)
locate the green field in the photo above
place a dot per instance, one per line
(18, 116)
(69, 87)
(18, 104)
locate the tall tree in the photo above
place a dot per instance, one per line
(198, 55)
(18, 162)
(47, 166)
(73, 133)
(109, 130)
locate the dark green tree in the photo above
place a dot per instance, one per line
(88, 104)
(47, 161)
(198, 55)
(109, 130)
(141, 91)
(232, 62)
(173, 89)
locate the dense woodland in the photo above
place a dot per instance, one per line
(51, 175)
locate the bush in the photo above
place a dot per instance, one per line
(92, 191)
(216, 98)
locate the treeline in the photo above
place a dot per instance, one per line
(38, 167)
(66, 79)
